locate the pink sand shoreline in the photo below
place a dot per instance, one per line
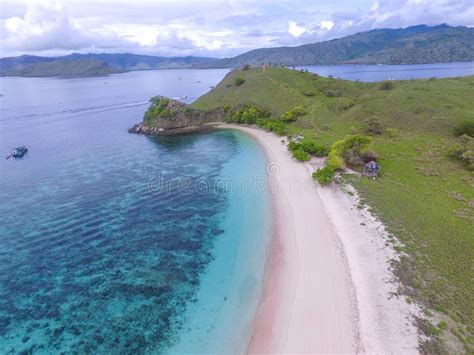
(315, 297)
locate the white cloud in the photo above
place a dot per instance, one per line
(211, 28)
(403, 13)
(47, 26)
(295, 30)
(328, 25)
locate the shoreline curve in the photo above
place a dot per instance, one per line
(328, 285)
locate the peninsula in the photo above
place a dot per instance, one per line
(377, 260)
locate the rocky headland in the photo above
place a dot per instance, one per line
(168, 117)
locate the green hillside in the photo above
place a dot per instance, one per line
(117, 62)
(412, 45)
(425, 195)
(79, 68)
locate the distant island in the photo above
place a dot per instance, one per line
(62, 68)
(413, 45)
(83, 65)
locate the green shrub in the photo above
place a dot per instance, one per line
(324, 175)
(332, 93)
(387, 85)
(466, 127)
(300, 155)
(227, 108)
(334, 161)
(273, 125)
(346, 106)
(278, 128)
(239, 81)
(158, 108)
(349, 150)
(309, 147)
(464, 152)
(442, 325)
(293, 146)
(312, 148)
(392, 132)
(374, 127)
(248, 114)
(293, 114)
(298, 152)
(356, 142)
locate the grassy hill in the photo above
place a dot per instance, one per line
(412, 45)
(424, 196)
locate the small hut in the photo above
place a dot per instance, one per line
(371, 169)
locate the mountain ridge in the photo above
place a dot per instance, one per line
(420, 44)
(117, 62)
(65, 69)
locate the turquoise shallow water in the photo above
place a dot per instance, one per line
(113, 242)
(220, 321)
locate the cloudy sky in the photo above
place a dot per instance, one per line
(216, 28)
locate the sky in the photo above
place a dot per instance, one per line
(215, 28)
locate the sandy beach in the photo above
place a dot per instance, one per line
(328, 286)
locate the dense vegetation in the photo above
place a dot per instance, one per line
(158, 108)
(303, 151)
(239, 81)
(412, 45)
(293, 114)
(425, 196)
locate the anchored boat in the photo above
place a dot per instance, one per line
(18, 152)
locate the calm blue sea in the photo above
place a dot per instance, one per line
(370, 73)
(112, 242)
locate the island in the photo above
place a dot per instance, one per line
(91, 64)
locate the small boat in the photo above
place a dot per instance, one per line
(18, 152)
(179, 97)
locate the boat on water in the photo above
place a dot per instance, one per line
(179, 97)
(18, 152)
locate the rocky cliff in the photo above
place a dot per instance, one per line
(166, 117)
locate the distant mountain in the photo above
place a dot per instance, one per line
(412, 45)
(128, 61)
(62, 68)
(20, 62)
(16, 66)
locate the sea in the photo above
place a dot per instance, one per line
(371, 73)
(112, 242)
